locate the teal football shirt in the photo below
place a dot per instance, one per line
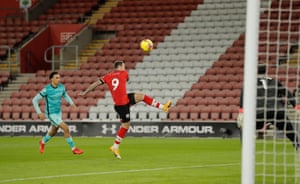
(53, 99)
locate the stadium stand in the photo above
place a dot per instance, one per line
(226, 72)
(206, 39)
(153, 20)
(162, 80)
(197, 60)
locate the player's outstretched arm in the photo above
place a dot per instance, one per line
(91, 87)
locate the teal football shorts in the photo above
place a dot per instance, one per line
(55, 118)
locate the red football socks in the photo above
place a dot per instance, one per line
(121, 134)
(150, 101)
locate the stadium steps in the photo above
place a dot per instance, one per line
(98, 14)
(10, 64)
(88, 51)
(14, 85)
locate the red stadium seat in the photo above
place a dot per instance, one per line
(16, 112)
(226, 111)
(215, 112)
(65, 112)
(6, 102)
(80, 101)
(184, 112)
(205, 113)
(91, 101)
(73, 114)
(16, 95)
(173, 113)
(26, 111)
(194, 112)
(6, 110)
(68, 79)
(34, 115)
(201, 101)
(26, 101)
(83, 112)
(15, 102)
(182, 101)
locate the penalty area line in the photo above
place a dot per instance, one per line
(117, 172)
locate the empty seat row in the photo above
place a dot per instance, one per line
(231, 11)
(214, 18)
(191, 50)
(109, 60)
(134, 116)
(159, 3)
(156, 66)
(146, 26)
(120, 52)
(209, 100)
(138, 85)
(203, 112)
(70, 73)
(114, 41)
(138, 20)
(194, 44)
(169, 7)
(186, 71)
(144, 33)
(217, 85)
(194, 93)
(206, 30)
(122, 15)
(221, 77)
(65, 80)
(28, 113)
(181, 57)
(200, 37)
(218, 6)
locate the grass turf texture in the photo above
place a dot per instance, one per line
(144, 160)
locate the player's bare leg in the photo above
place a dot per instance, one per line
(152, 102)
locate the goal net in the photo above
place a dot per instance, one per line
(276, 158)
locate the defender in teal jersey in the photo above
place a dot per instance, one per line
(52, 94)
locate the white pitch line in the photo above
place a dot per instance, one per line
(117, 172)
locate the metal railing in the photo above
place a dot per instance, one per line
(64, 57)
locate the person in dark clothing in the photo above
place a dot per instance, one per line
(270, 106)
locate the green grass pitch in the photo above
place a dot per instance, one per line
(144, 160)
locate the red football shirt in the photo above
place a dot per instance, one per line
(116, 81)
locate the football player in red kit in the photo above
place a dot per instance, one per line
(116, 81)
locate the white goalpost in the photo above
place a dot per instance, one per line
(272, 39)
(251, 49)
